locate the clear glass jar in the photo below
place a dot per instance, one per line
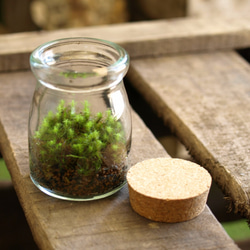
(80, 121)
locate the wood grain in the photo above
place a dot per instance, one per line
(205, 98)
(140, 39)
(103, 224)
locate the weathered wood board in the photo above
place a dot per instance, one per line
(140, 39)
(205, 98)
(104, 224)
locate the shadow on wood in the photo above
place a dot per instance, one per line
(14, 230)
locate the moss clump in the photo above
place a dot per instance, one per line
(79, 153)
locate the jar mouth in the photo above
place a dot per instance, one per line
(81, 63)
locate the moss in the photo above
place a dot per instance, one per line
(77, 145)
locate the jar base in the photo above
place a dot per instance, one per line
(74, 198)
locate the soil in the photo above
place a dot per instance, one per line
(68, 182)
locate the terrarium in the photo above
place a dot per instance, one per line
(80, 122)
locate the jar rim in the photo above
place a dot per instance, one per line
(118, 67)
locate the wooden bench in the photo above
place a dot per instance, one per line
(178, 69)
(204, 98)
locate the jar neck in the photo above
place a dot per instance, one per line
(79, 64)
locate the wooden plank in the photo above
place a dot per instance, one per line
(140, 39)
(205, 98)
(103, 224)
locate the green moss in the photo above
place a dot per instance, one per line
(79, 140)
(76, 75)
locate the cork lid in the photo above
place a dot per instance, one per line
(164, 180)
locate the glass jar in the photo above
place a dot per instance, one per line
(80, 122)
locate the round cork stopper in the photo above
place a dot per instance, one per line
(167, 189)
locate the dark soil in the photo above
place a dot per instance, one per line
(69, 182)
